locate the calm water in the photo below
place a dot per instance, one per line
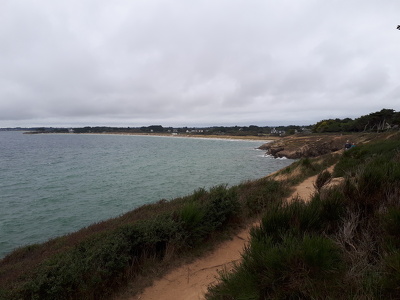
(54, 184)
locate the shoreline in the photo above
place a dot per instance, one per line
(216, 137)
(264, 139)
(209, 136)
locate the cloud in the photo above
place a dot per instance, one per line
(133, 63)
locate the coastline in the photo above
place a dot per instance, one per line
(200, 136)
(264, 139)
(215, 137)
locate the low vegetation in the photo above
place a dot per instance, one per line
(96, 261)
(343, 243)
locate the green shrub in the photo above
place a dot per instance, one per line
(331, 208)
(373, 182)
(296, 268)
(97, 266)
(307, 163)
(391, 226)
(274, 224)
(154, 234)
(372, 178)
(311, 166)
(392, 221)
(259, 198)
(241, 283)
(299, 217)
(323, 178)
(222, 204)
(390, 281)
(352, 159)
(198, 194)
(192, 217)
(192, 214)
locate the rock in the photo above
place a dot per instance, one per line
(274, 151)
(295, 147)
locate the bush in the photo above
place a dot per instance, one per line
(331, 208)
(192, 217)
(352, 159)
(94, 268)
(323, 178)
(307, 163)
(222, 204)
(259, 197)
(373, 183)
(296, 268)
(391, 225)
(390, 281)
(298, 217)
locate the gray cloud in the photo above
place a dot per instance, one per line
(133, 63)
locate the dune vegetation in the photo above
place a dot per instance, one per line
(342, 244)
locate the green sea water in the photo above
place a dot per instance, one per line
(53, 184)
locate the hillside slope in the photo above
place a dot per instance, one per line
(300, 146)
(343, 244)
(191, 281)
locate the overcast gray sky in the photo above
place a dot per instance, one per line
(197, 62)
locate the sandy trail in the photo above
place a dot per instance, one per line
(190, 281)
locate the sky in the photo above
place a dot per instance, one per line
(69, 63)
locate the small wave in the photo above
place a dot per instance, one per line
(272, 157)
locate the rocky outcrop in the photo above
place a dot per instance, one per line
(295, 147)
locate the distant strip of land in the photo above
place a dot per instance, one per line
(201, 136)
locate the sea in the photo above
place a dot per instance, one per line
(54, 184)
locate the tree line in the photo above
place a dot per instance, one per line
(385, 119)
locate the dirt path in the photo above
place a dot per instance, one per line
(190, 282)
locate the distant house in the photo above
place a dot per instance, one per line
(70, 130)
(195, 131)
(278, 132)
